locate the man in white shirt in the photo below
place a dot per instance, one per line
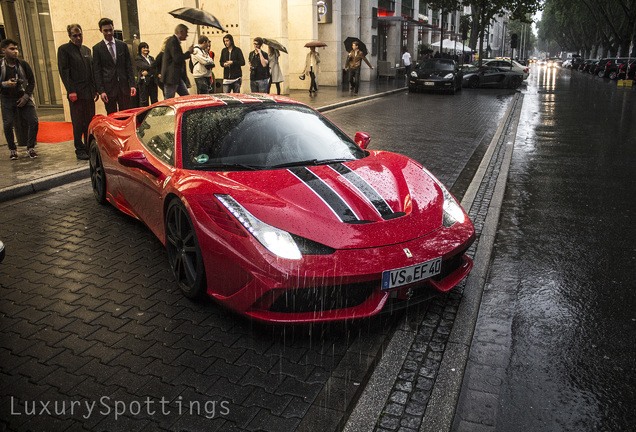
(406, 59)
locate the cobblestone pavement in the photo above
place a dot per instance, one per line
(90, 313)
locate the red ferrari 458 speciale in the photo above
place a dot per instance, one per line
(272, 210)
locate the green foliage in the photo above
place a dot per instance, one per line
(584, 25)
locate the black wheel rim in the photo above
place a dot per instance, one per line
(183, 252)
(97, 173)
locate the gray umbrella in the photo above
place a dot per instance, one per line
(197, 16)
(274, 44)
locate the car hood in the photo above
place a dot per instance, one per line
(433, 74)
(382, 199)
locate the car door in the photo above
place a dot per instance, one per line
(489, 76)
(151, 163)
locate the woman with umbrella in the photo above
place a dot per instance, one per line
(275, 73)
(312, 67)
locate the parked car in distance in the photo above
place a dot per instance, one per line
(627, 70)
(599, 67)
(507, 64)
(612, 65)
(487, 76)
(436, 74)
(588, 65)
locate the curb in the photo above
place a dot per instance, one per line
(20, 190)
(359, 99)
(441, 408)
(44, 183)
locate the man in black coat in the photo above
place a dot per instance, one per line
(173, 67)
(75, 64)
(113, 70)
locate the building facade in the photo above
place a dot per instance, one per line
(385, 26)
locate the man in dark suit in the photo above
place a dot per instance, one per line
(173, 67)
(113, 70)
(75, 64)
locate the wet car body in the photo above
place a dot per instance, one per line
(436, 74)
(270, 209)
(487, 76)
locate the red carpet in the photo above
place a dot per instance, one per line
(54, 132)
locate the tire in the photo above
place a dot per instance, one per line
(412, 89)
(97, 173)
(612, 75)
(184, 254)
(600, 73)
(515, 82)
(474, 82)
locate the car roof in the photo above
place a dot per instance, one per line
(199, 101)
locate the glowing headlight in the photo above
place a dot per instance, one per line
(414, 74)
(452, 210)
(448, 76)
(276, 241)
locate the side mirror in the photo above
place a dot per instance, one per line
(362, 139)
(137, 159)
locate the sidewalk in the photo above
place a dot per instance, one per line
(57, 165)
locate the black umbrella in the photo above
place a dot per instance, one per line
(361, 46)
(197, 16)
(274, 44)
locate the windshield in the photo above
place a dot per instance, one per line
(437, 65)
(261, 136)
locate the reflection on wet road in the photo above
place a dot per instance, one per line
(555, 343)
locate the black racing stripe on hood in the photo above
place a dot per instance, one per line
(365, 188)
(339, 207)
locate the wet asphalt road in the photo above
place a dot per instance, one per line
(90, 309)
(555, 343)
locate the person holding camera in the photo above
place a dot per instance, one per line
(202, 65)
(16, 91)
(259, 69)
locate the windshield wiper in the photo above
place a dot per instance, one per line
(311, 162)
(230, 166)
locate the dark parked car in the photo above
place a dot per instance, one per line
(627, 70)
(487, 76)
(1, 251)
(436, 74)
(586, 64)
(599, 68)
(612, 65)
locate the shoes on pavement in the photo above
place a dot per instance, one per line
(82, 156)
(32, 154)
(14, 155)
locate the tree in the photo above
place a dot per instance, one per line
(585, 25)
(484, 11)
(445, 6)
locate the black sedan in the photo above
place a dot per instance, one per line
(436, 74)
(487, 76)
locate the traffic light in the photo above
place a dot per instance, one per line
(513, 40)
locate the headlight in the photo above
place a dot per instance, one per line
(277, 241)
(414, 74)
(449, 76)
(452, 210)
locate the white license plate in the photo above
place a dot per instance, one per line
(408, 275)
(429, 83)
